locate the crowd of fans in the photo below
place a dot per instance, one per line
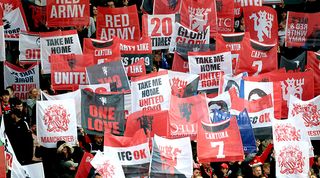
(63, 161)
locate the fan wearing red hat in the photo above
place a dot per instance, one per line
(258, 161)
(224, 170)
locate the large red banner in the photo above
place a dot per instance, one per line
(166, 7)
(313, 62)
(225, 13)
(69, 71)
(121, 22)
(67, 13)
(197, 15)
(261, 23)
(302, 29)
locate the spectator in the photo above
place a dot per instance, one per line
(196, 171)
(316, 166)
(31, 102)
(5, 104)
(256, 171)
(97, 143)
(22, 108)
(66, 166)
(13, 98)
(110, 3)
(266, 169)
(224, 168)
(20, 137)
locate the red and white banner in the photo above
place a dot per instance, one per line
(256, 58)
(225, 14)
(22, 80)
(180, 82)
(313, 62)
(237, 9)
(136, 69)
(75, 95)
(142, 46)
(14, 19)
(84, 166)
(209, 66)
(198, 15)
(2, 43)
(222, 102)
(56, 120)
(302, 29)
(219, 142)
(97, 88)
(229, 81)
(152, 122)
(261, 23)
(57, 42)
(150, 92)
(133, 152)
(310, 114)
(166, 7)
(292, 159)
(68, 13)
(29, 46)
(107, 165)
(121, 22)
(171, 157)
(182, 34)
(233, 42)
(245, 3)
(68, 71)
(184, 114)
(159, 28)
(102, 51)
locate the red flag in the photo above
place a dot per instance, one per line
(219, 142)
(68, 13)
(237, 8)
(121, 22)
(136, 69)
(142, 46)
(225, 13)
(2, 163)
(69, 71)
(302, 29)
(245, 3)
(233, 42)
(313, 62)
(262, 24)
(256, 58)
(85, 166)
(152, 122)
(166, 6)
(102, 51)
(184, 115)
(198, 14)
(179, 64)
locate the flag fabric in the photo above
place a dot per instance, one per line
(56, 120)
(131, 59)
(159, 28)
(150, 92)
(302, 30)
(107, 165)
(245, 3)
(34, 170)
(294, 64)
(97, 88)
(222, 102)
(313, 62)
(122, 22)
(261, 23)
(109, 72)
(142, 46)
(133, 152)
(198, 15)
(245, 127)
(22, 80)
(166, 7)
(182, 34)
(102, 113)
(183, 84)
(84, 166)
(136, 69)
(3, 167)
(14, 19)
(102, 51)
(171, 157)
(310, 111)
(68, 71)
(57, 42)
(233, 42)
(29, 46)
(152, 122)
(228, 81)
(219, 142)
(209, 66)
(225, 16)
(262, 58)
(68, 13)
(2, 43)
(184, 115)
(75, 95)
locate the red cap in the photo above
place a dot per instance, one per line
(224, 166)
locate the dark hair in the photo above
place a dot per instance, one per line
(5, 92)
(17, 102)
